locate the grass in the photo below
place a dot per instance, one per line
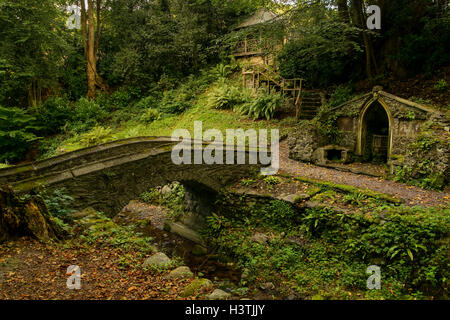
(211, 119)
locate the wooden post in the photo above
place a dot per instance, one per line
(297, 103)
(253, 78)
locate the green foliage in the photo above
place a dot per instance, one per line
(319, 46)
(103, 231)
(60, 205)
(223, 70)
(272, 180)
(355, 198)
(150, 115)
(53, 115)
(326, 124)
(247, 182)
(97, 135)
(340, 95)
(32, 49)
(226, 96)
(87, 114)
(421, 169)
(262, 106)
(17, 132)
(441, 85)
(324, 252)
(425, 47)
(172, 201)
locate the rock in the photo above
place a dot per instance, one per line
(219, 295)
(84, 213)
(288, 198)
(296, 240)
(312, 204)
(199, 250)
(166, 191)
(180, 273)
(183, 231)
(157, 260)
(260, 238)
(267, 286)
(196, 286)
(244, 274)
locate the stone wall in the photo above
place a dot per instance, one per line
(407, 120)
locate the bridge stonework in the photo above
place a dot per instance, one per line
(108, 176)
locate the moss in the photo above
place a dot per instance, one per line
(22, 169)
(195, 286)
(350, 189)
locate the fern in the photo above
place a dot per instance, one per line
(264, 106)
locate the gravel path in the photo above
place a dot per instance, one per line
(411, 195)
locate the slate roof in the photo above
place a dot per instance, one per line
(260, 16)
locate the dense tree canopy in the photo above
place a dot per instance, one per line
(127, 50)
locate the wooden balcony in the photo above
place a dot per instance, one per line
(249, 48)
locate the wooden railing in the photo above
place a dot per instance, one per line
(249, 47)
(263, 76)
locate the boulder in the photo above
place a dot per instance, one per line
(260, 238)
(180, 273)
(166, 191)
(267, 286)
(157, 260)
(196, 286)
(183, 231)
(219, 295)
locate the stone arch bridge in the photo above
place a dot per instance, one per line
(107, 176)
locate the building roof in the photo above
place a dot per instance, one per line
(260, 16)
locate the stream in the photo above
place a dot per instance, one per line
(208, 265)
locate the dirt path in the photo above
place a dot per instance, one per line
(410, 194)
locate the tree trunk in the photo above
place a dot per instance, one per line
(343, 10)
(26, 217)
(91, 59)
(84, 27)
(359, 19)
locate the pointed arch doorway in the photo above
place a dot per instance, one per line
(375, 126)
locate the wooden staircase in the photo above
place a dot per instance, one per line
(311, 102)
(306, 104)
(264, 77)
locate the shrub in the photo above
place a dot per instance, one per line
(53, 114)
(86, 115)
(150, 115)
(175, 101)
(17, 132)
(96, 136)
(340, 95)
(59, 205)
(441, 85)
(124, 97)
(263, 106)
(223, 70)
(225, 97)
(147, 102)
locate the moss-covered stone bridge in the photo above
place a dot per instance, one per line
(107, 176)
